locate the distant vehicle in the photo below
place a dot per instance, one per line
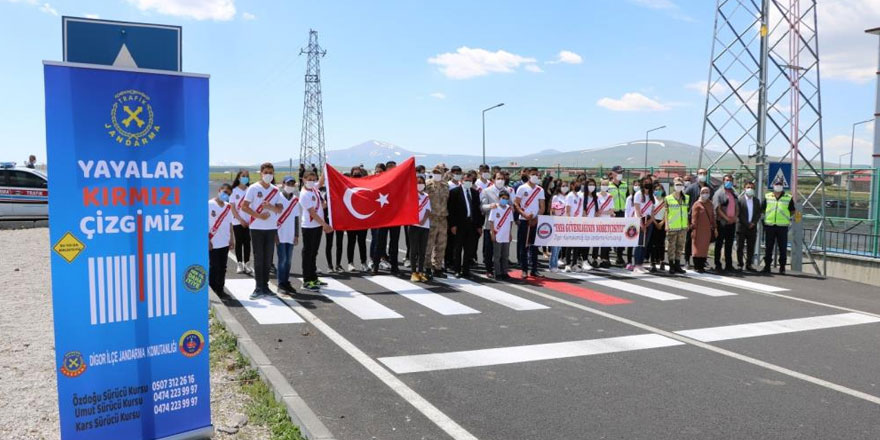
(833, 204)
(24, 193)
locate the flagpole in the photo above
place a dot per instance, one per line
(329, 205)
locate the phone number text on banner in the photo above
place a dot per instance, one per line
(128, 153)
(587, 231)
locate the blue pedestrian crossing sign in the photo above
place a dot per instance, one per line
(122, 44)
(779, 170)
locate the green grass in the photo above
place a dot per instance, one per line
(262, 409)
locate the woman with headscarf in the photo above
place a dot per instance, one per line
(703, 230)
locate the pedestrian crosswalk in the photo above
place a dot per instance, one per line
(612, 287)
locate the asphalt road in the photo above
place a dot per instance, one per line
(578, 358)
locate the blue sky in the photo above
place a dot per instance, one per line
(417, 74)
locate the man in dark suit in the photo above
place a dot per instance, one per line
(747, 226)
(466, 224)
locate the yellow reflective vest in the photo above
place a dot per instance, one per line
(776, 212)
(619, 193)
(677, 213)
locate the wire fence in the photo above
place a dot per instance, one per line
(847, 243)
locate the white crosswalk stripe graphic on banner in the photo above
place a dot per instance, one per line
(113, 295)
(431, 300)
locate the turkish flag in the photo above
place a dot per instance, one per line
(377, 201)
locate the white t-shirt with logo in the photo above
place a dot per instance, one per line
(236, 199)
(502, 228)
(524, 192)
(287, 221)
(661, 212)
(308, 199)
(423, 198)
(557, 205)
(480, 185)
(590, 206)
(255, 196)
(609, 208)
(221, 236)
(645, 203)
(575, 202)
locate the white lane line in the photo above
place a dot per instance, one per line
(675, 284)
(444, 422)
(265, 309)
(626, 287)
(724, 352)
(735, 282)
(728, 332)
(431, 300)
(355, 302)
(492, 294)
(523, 353)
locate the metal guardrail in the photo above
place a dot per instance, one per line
(848, 243)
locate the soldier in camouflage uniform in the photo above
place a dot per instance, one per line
(438, 194)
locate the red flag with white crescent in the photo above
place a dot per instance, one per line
(378, 201)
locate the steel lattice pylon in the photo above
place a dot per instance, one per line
(311, 149)
(764, 92)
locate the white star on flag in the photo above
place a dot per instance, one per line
(383, 200)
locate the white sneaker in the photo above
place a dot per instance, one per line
(554, 269)
(365, 268)
(586, 266)
(248, 269)
(351, 268)
(406, 263)
(562, 261)
(567, 269)
(384, 265)
(239, 267)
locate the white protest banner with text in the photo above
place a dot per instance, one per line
(587, 231)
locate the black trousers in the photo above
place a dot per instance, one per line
(726, 236)
(658, 245)
(418, 247)
(393, 243)
(378, 243)
(217, 259)
(311, 242)
(488, 250)
(242, 243)
(328, 250)
(264, 250)
(465, 243)
(359, 237)
(687, 246)
(406, 242)
(745, 241)
(619, 251)
(775, 236)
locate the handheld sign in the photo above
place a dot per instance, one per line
(129, 156)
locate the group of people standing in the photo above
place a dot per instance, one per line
(456, 209)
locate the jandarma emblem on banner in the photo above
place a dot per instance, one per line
(131, 119)
(73, 364)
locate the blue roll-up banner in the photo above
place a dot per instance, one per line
(128, 173)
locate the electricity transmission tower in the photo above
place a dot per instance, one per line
(764, 91)
(311, 149)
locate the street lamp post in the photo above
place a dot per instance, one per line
(646, 145)
(484, 128)
(849, 176)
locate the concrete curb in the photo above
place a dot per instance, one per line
(300, 414)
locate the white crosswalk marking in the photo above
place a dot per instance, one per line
(492, 294)
(355, 302)
(431, 300)
(265, 309)
(676, 284)
(735, 282)
(777, 327)
(627, 287)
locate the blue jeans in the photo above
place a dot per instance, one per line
(644, 239)
(285, 258)
(554, 257)
(526, 252)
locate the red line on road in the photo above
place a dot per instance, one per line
(573, 290)
(140, 256)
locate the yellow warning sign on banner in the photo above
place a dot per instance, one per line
(69, 247)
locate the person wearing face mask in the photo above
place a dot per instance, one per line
(262, 204)
(726, 213)
(703, 229)
(676, 220)
(693, 192)
(501, 233)
(420, 172)
(220, 237)
(632, 208)
(643, 205)
(619, 190)
(483, 179)
(438, 193)
(419, 234)
(747, 227)
(288, 232)
(557, 208)
(529, 202)
(465, 223)
(312, 224)
(392, 252)
(656, 247)
(590, 209)
(455, 177)
(358, 237)
(574, 207)
(605, 201)
(489, 200)
(778, 208)
(240, 223)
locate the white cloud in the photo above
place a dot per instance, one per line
(534, 68)
(567, 57)
(198, 9)
(846, 51)
(93, 16)
(248, 16)
(48, 9)
(632, 102)
(438, 95)
(840, 144)
(466, 62)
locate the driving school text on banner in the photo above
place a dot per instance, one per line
(587, 231)
(128, 152)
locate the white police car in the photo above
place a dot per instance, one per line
(24, 193)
